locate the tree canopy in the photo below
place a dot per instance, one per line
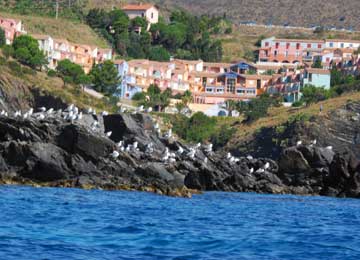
(26, 50)
(186, 36)
(71, 72)
(105, 78)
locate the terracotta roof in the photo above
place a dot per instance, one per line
(299, 40)
(318, 71)
(342, 40)
(217, 64)
(187, 61)
(256, 76)
(137, 7)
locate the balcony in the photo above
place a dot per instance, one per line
(307, 58)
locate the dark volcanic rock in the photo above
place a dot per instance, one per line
(58, 153)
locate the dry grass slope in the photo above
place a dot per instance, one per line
(65, 29)
(278, 116)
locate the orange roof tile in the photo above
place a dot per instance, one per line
(137, 7)
(318, 71)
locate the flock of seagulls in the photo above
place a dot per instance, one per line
(73, 114)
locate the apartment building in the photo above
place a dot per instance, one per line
(12, 28)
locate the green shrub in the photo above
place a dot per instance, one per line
(51, 73)
(298, 103)
(139, 96)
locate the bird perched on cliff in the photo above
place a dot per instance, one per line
(26, 115)
(104, 113)
(50, 111)
(329, 148)
(140, 109)
(172, 160)
(42, 109)
(180, 150)
(70, 107)
(260, 170)
(115, 154)
(191, 154)
(228, 155)
(208, 148)
(249, 157)
(313, 142)
(251, 170)
(89, 111)
(41, 117)
(149, 148)
(17, 113)
(120, 144)
(108, 134)
(3, 112)
(267, 166)
(299, 143)
(79, 116)
(198, 145)
(148, 110)
(30, 112)
(168, 134)
(135, 145)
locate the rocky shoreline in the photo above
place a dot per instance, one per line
(126, 151)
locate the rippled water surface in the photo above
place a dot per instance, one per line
(49, 223)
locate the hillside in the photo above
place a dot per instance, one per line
(72, 30)
(22, 87)
(279, 12)
(243, 39)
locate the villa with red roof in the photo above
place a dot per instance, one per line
(148, 11)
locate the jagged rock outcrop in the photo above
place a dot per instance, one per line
(57, 152)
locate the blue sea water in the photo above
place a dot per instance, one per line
(52, 223)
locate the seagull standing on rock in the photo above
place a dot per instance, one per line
(108, 134)
(115, 154)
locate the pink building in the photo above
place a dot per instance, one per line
(12, 28)
(290, 50)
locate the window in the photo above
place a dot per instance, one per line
(310, 77)
(309, 45)
(319, 46)
(266, 44)
(258, 84)
(230, 87)
(331, 44)
(240, 91)
(275, 53)
(286, 53)
(142, 15)
(298, 46)
(287, 45)
(328, 59)
(351, 45)
(152, 15)
(219, 90)
(251, 91)
(277, 45)
(297, 54)
(209, 90)
(342, 45)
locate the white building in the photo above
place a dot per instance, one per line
(148, 11)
